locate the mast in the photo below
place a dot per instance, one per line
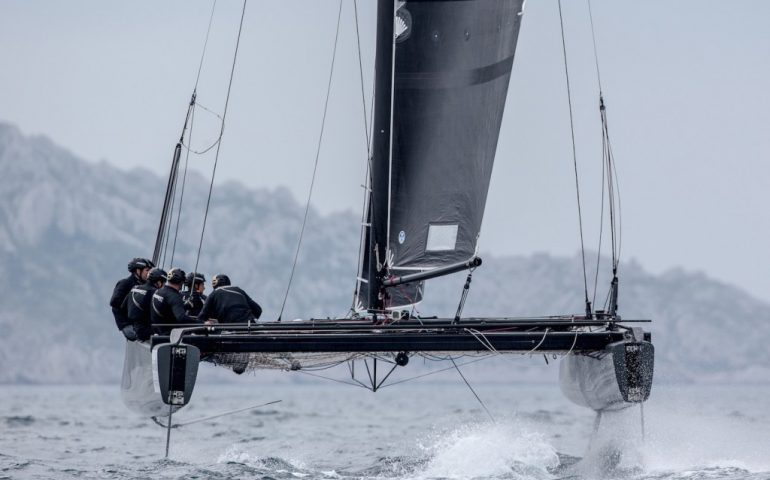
(381, 151)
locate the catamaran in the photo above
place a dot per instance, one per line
(442, 70)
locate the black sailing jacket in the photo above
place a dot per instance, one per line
(168, 307)
(229, 304)
(118, 297)
(139, 306)
(193, 302)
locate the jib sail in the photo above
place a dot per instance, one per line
(442, 74)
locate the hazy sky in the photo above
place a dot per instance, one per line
(686, 85)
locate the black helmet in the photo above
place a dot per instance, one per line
(141, 263)
(156, 275)
(175, 276)
(220, 280)
(194, 277)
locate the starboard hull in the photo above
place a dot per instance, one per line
(612, 379)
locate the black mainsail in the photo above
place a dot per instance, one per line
(442, 74)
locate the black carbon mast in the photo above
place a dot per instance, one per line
(376, 234)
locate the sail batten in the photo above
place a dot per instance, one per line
(446, 66)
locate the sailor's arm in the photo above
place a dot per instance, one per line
(120, 292)
(179, 312)
(254, 306)
(207, 310)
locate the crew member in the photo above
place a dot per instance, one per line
(193, 297)
(167, 304)
(139, 269)
(139, 303)
(228, 304)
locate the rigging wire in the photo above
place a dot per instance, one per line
(596, 51)
(367, 180)
(315, 166)
(167, 227)
(574, 161)
(472, 390)
(173, 179)
(613, 192)
(212, 417)
(609, 181)
(361, 74)
(205, 45)
(184, 182)
(604, 168)
(221, 132)
(601, 232)
(434, 372)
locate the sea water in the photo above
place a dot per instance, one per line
(410, 431)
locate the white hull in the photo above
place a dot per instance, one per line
(138, 386)
(602, 382)
(591, 382)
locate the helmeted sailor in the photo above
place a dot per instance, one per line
(167, 304)
(139, 268)
(228, 304)
(139, 303)
(193, 297)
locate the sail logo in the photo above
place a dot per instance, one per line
(402, 24)
(401, 237)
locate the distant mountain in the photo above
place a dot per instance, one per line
(68, 227)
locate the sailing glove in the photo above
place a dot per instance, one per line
(129, 333)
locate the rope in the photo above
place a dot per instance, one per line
(483, 340)
(574, 161)
(574, 342)
(188, 146)
(541, 342)
(315, 166)
(221, 132)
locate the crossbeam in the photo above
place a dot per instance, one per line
(461, 341)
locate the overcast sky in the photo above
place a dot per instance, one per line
(686, 85)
